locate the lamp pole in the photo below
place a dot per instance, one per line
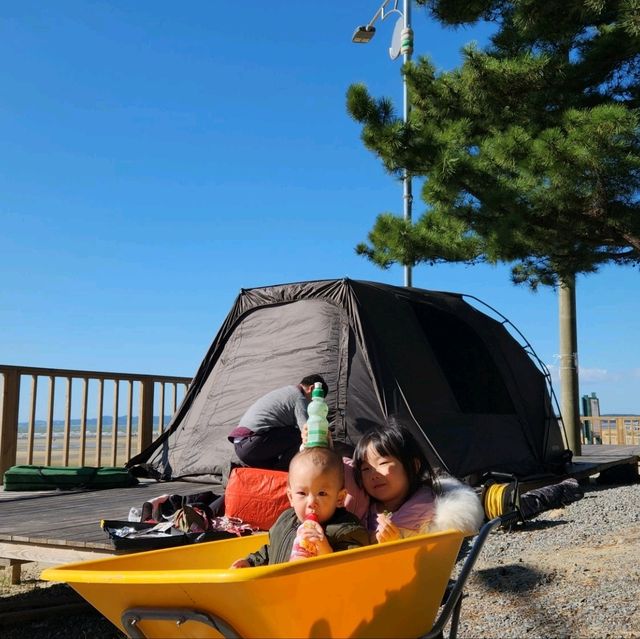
(401, 43)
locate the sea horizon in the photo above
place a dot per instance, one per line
(40, 425)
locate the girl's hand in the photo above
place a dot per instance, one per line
(315, 535)
(240, 563)
(304, 433)
(387, 530)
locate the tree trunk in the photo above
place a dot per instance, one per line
(570, 407)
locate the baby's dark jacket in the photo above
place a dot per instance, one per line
(343, 531)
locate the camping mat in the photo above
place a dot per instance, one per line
(67, 477)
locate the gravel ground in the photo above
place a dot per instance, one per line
(573, 572)
(569, 573)
(87, 623)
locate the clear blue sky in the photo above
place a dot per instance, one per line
(156, 157)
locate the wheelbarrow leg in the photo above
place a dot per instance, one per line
(455, 619)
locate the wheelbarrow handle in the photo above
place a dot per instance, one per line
(133, 616)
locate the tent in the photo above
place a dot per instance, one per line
(469, 391)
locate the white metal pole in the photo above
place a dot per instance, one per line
(406, 178)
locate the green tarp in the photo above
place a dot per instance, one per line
(66, 478)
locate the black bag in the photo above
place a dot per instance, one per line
(133, 535)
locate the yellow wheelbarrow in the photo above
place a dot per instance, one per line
(388, 590)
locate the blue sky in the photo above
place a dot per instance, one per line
(157, 157)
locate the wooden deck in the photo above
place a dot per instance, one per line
(605, 458)
(615, 464)
(60, 527)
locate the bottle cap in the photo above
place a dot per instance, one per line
(317, 390)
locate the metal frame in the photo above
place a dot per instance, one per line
(453, 603)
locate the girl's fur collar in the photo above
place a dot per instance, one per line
(457, 506)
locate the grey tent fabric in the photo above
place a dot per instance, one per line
(467, 389)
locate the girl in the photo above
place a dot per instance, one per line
(405, 497)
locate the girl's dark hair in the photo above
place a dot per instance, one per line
(394, 440)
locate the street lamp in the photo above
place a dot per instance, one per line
(401, 43)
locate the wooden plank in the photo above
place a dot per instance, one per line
(114, 424)
(9, 398)
(49, 554)
(595, 459)
(67, 424)
(68, 372)
(610, 450)
(83, 421)
(43, 541)
(603, 463)
(49, 430)
(12, 568)
(129, 419)
(98, 451)
(10, 562)
(145, 415)
(32, 419)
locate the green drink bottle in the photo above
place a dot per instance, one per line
(317, 424)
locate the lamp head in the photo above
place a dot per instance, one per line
(363, 34)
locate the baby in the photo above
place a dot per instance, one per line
(315, 485)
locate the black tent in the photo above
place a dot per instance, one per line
(472, 394)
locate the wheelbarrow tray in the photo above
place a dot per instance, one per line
(386, 590)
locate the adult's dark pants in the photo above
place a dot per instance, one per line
(271, 449)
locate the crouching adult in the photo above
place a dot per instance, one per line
(269, 433)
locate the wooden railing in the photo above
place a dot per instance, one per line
(610, 429)
(68, 427)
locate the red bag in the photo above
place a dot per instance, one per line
(256, 495)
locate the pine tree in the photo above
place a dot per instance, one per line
(530, 149)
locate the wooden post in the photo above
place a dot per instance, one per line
(99, 422)
(145, 416)
(49, 432)
(12, 568)
(9, 402)
(114, 424)
(129, 419)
